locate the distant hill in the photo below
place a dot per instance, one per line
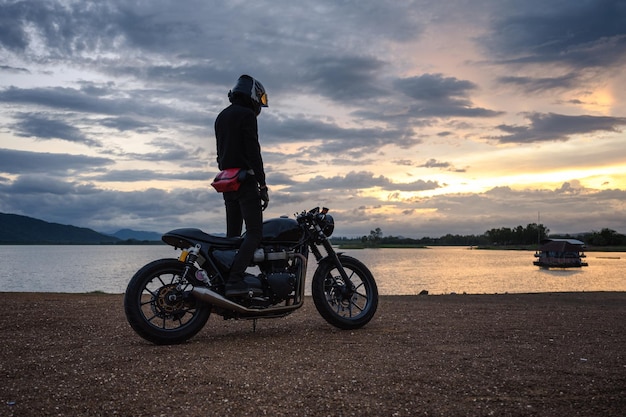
(128, 234)
(23, 230)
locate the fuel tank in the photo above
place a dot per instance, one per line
(281, 230)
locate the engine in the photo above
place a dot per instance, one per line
(281, 284)
(278, 270)
(275, 259)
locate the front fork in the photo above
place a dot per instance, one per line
(348, 288)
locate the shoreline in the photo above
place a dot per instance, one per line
(529, 354)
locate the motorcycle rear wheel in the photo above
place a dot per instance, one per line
(158, 309)
(339, 305)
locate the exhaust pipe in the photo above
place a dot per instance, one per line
(217, 300)
(211, 297)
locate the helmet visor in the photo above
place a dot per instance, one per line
(259, 93)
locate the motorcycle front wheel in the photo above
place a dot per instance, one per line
(159, 308)
(343, 306)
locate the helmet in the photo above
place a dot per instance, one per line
(252, 89)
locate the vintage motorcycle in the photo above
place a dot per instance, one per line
(168, 301)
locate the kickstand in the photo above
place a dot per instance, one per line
(253, 325)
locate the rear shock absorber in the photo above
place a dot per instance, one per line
(190, 257)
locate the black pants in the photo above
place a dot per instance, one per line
(244, 206)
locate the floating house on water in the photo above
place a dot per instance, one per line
(560, 253)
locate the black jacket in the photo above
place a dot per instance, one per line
(237, 136)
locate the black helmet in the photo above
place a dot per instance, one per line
(251, 89)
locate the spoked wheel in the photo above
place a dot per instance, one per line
(159, 308)
(345, 306)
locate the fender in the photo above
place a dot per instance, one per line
(326, 260)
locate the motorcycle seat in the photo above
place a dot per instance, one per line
(186, 237)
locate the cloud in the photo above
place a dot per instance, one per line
(79, 115)
(13, 70)
(438, 96)
(345, 78)
(99, 101)
(41, 184)
(62, 98)
(12, 34)
(447, 166)
(42, 128)
(124, 124)
(59, 200)
(68, 202)
(433, 163)
(331, 138)
(436, 88)
(19, 162)
(538, 84)
(59, 29)
(577, 34)
(185, 75)
(133, 175)
(557, 127)
(475, 213)
(354, 86)
(360, 180)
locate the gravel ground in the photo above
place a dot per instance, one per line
(453, 355)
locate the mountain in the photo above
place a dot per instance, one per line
(128, 234)
(23, 230)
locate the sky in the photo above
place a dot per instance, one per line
(421, 118)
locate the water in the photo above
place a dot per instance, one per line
(444, 270)
(439, 270)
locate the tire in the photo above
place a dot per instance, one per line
(338, 305)
(158, 310)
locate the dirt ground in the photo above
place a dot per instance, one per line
(452, 355)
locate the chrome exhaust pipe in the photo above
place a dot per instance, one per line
(211, 297)
(217, 300)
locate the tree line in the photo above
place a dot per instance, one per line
(532, 234)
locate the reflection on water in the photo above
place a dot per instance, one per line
(439, 270)
(460, 270)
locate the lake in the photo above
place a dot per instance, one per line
(439, 270)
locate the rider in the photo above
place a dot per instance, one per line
(236, 132)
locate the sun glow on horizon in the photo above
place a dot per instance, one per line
(599, 178)
(600, 101)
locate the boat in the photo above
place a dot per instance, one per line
(560, 253)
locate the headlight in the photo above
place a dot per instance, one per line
(328, 225)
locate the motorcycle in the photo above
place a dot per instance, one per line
(168, 301)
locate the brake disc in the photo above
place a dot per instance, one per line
(168, 303)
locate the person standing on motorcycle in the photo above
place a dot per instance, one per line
(237, 138)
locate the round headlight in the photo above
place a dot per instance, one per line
(329, 225)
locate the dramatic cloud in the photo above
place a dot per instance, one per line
(40, 127)
(540, 84)
(558, 127)
(344, 79)
(362, 180)
(19, 162)
(581, 35)
(422, 118)
(441, 96)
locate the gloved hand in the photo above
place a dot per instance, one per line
(265, 198)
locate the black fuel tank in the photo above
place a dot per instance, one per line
(281, 230)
